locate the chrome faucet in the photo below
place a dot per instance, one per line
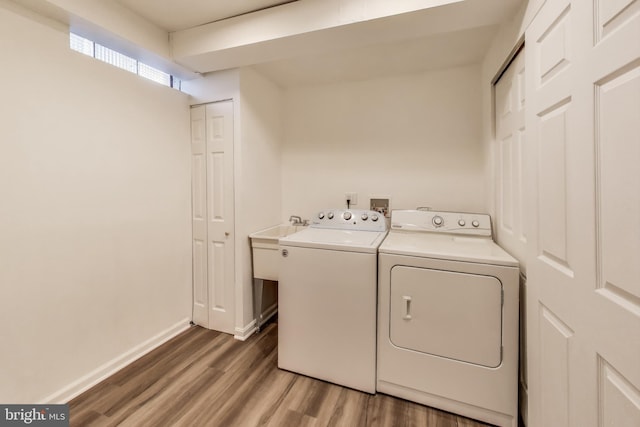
(296, 220)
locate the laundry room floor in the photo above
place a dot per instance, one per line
(207, 378)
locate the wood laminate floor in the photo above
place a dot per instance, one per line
(206, 378)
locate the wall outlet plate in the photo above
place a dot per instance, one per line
(353, 197)
(380, 204)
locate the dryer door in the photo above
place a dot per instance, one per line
(448, 314)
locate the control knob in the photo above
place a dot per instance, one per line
(438, 221)
(475, 223)
(462, 222)
(364, 217)
(347, 216)
(330, 215)
(321, 215)
(374, 217)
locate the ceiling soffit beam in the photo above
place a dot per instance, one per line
(315, 27)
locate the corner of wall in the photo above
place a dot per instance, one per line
(258, 188)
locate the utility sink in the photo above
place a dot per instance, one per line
(264, 245)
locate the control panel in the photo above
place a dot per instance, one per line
(349, 219)
(441, 222)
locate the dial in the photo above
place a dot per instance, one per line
(321, 215)
(475, 223)
(438, 221)
(462, 222)
(374, 217)
(330, 215)
(347, 216)
(364, 217)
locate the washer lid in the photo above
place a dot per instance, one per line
(448, 247)
(340, 240)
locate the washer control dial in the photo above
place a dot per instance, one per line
(364, 217)
(321, 215)
(374, 217)
(330, 215)
(475, 223)
(462, 222)
(438, 221)
(347, 216)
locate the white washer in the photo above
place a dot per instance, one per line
(327, 298)
(448, 316)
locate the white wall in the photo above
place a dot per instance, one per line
(416, 138)
(95, 257)
(260, 199)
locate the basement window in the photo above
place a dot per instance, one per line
(120, 60)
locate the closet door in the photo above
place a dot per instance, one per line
(583, 118)
(510, 191)
(509, 160)
(213, 216)
(199, 216)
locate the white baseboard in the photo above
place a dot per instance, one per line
(72, 390)
(243, 333)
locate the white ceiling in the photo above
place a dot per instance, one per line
(173, 15)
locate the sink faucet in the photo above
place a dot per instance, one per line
(296, 220)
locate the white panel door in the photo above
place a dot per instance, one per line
(199, 216)
(583, 121)
(213, 215)
(509, 159)
(220, 215)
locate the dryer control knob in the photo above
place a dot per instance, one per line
(321, 215)
(364, 217)
(461, 222)
(374, 217)
(438, 221)
(330, 215)
(347, 216)
(475, 223)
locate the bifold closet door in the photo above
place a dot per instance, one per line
(583, 302)
(213, 215)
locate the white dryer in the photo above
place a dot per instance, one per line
(327, 298)
(448, 316)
